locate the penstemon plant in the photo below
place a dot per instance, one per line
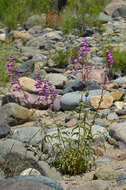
(76, 155)
(69, 155)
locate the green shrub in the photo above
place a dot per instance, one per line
(119, 61)
(76, 155)
(14, 12)
(64, 57)
(82, 13)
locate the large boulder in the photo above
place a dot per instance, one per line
(71, 100)
(30, 135)
(118, 131)
(113, 5)
(120, 12)
(42, 180)
(92, 185)
(14, 114)
(14, 184)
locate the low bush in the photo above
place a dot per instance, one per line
(14, 12)
(81, 14)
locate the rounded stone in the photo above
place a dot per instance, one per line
(106, 102)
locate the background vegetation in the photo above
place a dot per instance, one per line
(76, 14)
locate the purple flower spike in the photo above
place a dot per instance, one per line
(75, 67)
(26, 96)
(75, 60)
(81, 54)
(51, 106)
(11, 58)
(75, 57)
(40, 92)
(89, 66)
(17, 69)
(13, 82)
(40, 99)
(9, 64)
(10, 75)
(10, 69)
(109, 56)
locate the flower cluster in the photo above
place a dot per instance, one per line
(83, 48)
(46, 89)
(13, 72)
(109, 57)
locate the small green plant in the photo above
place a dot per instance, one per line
(64, 57)
(6, 50)
(119, 61)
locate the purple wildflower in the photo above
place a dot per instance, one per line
(40, 99)
(109, 56)
(51, 106)
(40, 92)
(10, 75)
(17, 69)
(11, 58)
(13, 82)
(75, 67)
(81, 54)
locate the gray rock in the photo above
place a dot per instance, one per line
(11, 145)
(49, 171)
(120, 80)
(4, 130)
(88, 32)
(59, 91)
(73, 85)
(57, 79)
(118, 131)
(105, 112)
(104, 17)
(92, 85)
(28, 66)
(71, 100)
(56, 104)
(30, 51)
(121, 179)
(112, 116)
(13, 114)
(2, 174)
(30, 135)
(45, 41)
(120, 12)
(92, 185)
(113, 5)
(122, 111)
(13, 184)
(37, 29)
(42, 180)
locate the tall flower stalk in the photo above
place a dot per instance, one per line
(110, 62)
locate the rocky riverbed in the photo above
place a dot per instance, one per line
(21, 143)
